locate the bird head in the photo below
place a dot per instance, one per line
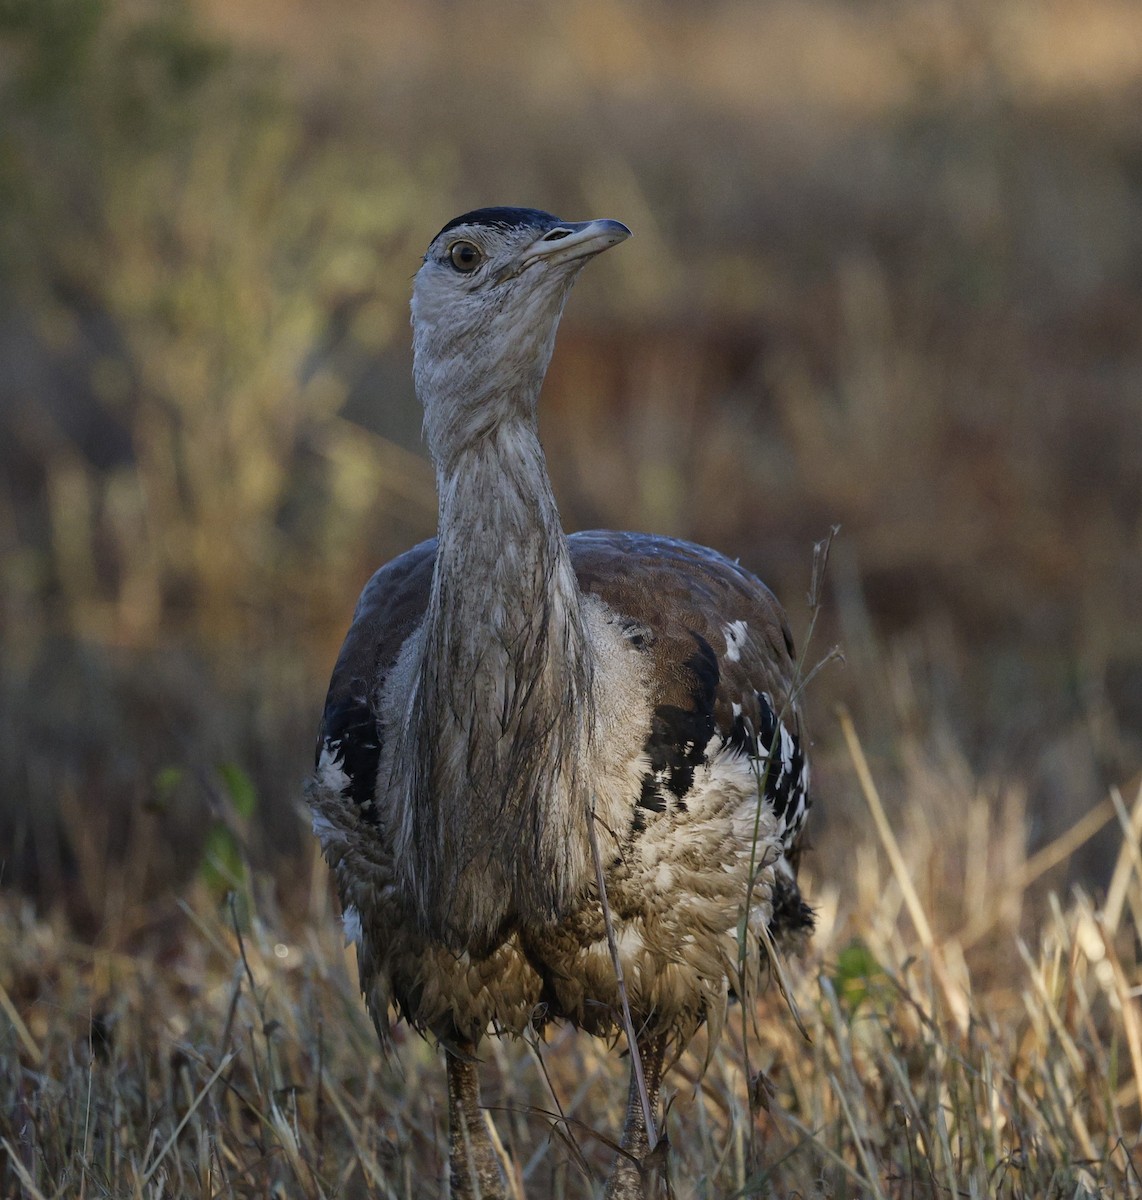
(485, 307)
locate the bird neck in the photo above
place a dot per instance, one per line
(503, 708)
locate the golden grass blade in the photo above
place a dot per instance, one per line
(826, 1151)
(202, 1093)
(1129, 861)
(957, 1001)
(26, 1180)
(510, 1174)
(1063, 846)
(884, 830)
(22, 1031)
(563, 1112)
(365, 1157)
(287, 1138)
(783, 984)
(1048, 1008)
(1038, 864)
(1128, 1007)
(858, 1141)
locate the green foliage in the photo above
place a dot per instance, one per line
(857, 975)
(239, 789)
(167, 782)
(53, 41)
(224, 869)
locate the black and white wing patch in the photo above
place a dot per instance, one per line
(683, 737)
(679, 737)
(349, 744)
(349, 751)
(781, 762)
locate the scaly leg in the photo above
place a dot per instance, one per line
(631, 1177)
(474, 1164)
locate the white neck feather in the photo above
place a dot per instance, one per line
(503, 709)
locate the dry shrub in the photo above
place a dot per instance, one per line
(911, 308)
(228, 1054)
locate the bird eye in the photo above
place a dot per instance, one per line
(465, 256)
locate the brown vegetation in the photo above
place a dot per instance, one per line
(885, 274)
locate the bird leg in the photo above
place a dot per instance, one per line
(473, 1162)
(633, 1177)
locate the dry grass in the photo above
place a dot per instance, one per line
(885, 274)
(949, 1054)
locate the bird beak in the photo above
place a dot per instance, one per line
(574, 240)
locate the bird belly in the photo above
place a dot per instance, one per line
(679, 873)
(677, 883)
(459, 997)
(676, 890)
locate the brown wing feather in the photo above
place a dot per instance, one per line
(390, 608)
(679, 600)
(688, 598)
(678, 589)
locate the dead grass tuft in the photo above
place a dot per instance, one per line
(885, 275)
(948, 1054)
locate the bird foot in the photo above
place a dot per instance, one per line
(478, 1182)
(635, 1179)
(475, 1169)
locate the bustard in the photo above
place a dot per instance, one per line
(517, 713)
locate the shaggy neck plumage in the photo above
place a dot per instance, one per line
(502, 710)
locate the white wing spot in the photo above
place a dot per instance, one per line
(734, 634)
(323, 830)
(787, 750)
(352, 922)
(330, 773)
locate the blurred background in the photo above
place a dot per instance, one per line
(887, 275)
